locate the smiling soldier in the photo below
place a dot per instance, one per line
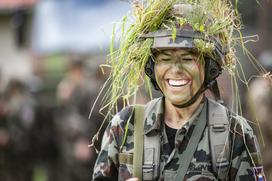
(182, 135)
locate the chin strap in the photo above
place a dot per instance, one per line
(212, 84)
(215, 90)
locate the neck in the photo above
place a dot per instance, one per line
(177, 117)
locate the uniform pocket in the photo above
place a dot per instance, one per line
(148, 164)
(125, 166)
(200, 175)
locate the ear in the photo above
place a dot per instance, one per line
(150, 72)
(212, 70)
(149, 68)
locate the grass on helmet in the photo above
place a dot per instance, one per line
(212, 18)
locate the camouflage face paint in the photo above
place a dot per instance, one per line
(179, 74)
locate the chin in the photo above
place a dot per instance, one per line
(178, 101)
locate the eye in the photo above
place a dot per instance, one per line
(165, 59)
(187, 59)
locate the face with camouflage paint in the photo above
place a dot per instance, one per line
(179, 74)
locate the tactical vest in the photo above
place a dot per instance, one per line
(146, 158)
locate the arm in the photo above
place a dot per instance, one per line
(106, 166)
(107, 163)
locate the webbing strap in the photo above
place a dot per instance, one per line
(219, 140)
(186, 157)
(138, 141)
(216, 92)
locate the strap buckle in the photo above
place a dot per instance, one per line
(222, 163)
(218, 128)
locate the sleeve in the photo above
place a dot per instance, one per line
(107, 163)
(106, 166)
(246, 163)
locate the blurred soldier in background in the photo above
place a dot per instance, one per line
(20, 118)
(4, 139)
(4, 135)
(260, 98)
(44, 146)
(73, 127)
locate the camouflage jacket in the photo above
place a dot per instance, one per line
(244, 148)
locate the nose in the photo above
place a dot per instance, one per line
(177, 65)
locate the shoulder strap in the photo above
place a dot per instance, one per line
(186, 157)
(219, 139)
(138, 141)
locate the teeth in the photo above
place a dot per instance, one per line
(178, 82)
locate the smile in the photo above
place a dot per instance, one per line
(178, 83)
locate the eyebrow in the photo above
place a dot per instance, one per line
(166, 53)
(188, 53)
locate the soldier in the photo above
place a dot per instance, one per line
(183, 135)
(260, 96)
(20, 120)
(72, 125)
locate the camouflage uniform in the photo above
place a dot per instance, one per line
(200, 168)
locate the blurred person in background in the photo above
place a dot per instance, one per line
(74, 130)
(44, 146)
(260, 98)
(20, 117)
(4, 139)
(4, 134)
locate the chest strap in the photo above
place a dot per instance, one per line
(146, 156)
(219, 139)
(186, 157)
(138, 141)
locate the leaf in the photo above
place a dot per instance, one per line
(174, 33)
(201, 28)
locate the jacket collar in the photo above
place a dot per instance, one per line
(154, 115)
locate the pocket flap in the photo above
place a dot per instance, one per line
(126, 158)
